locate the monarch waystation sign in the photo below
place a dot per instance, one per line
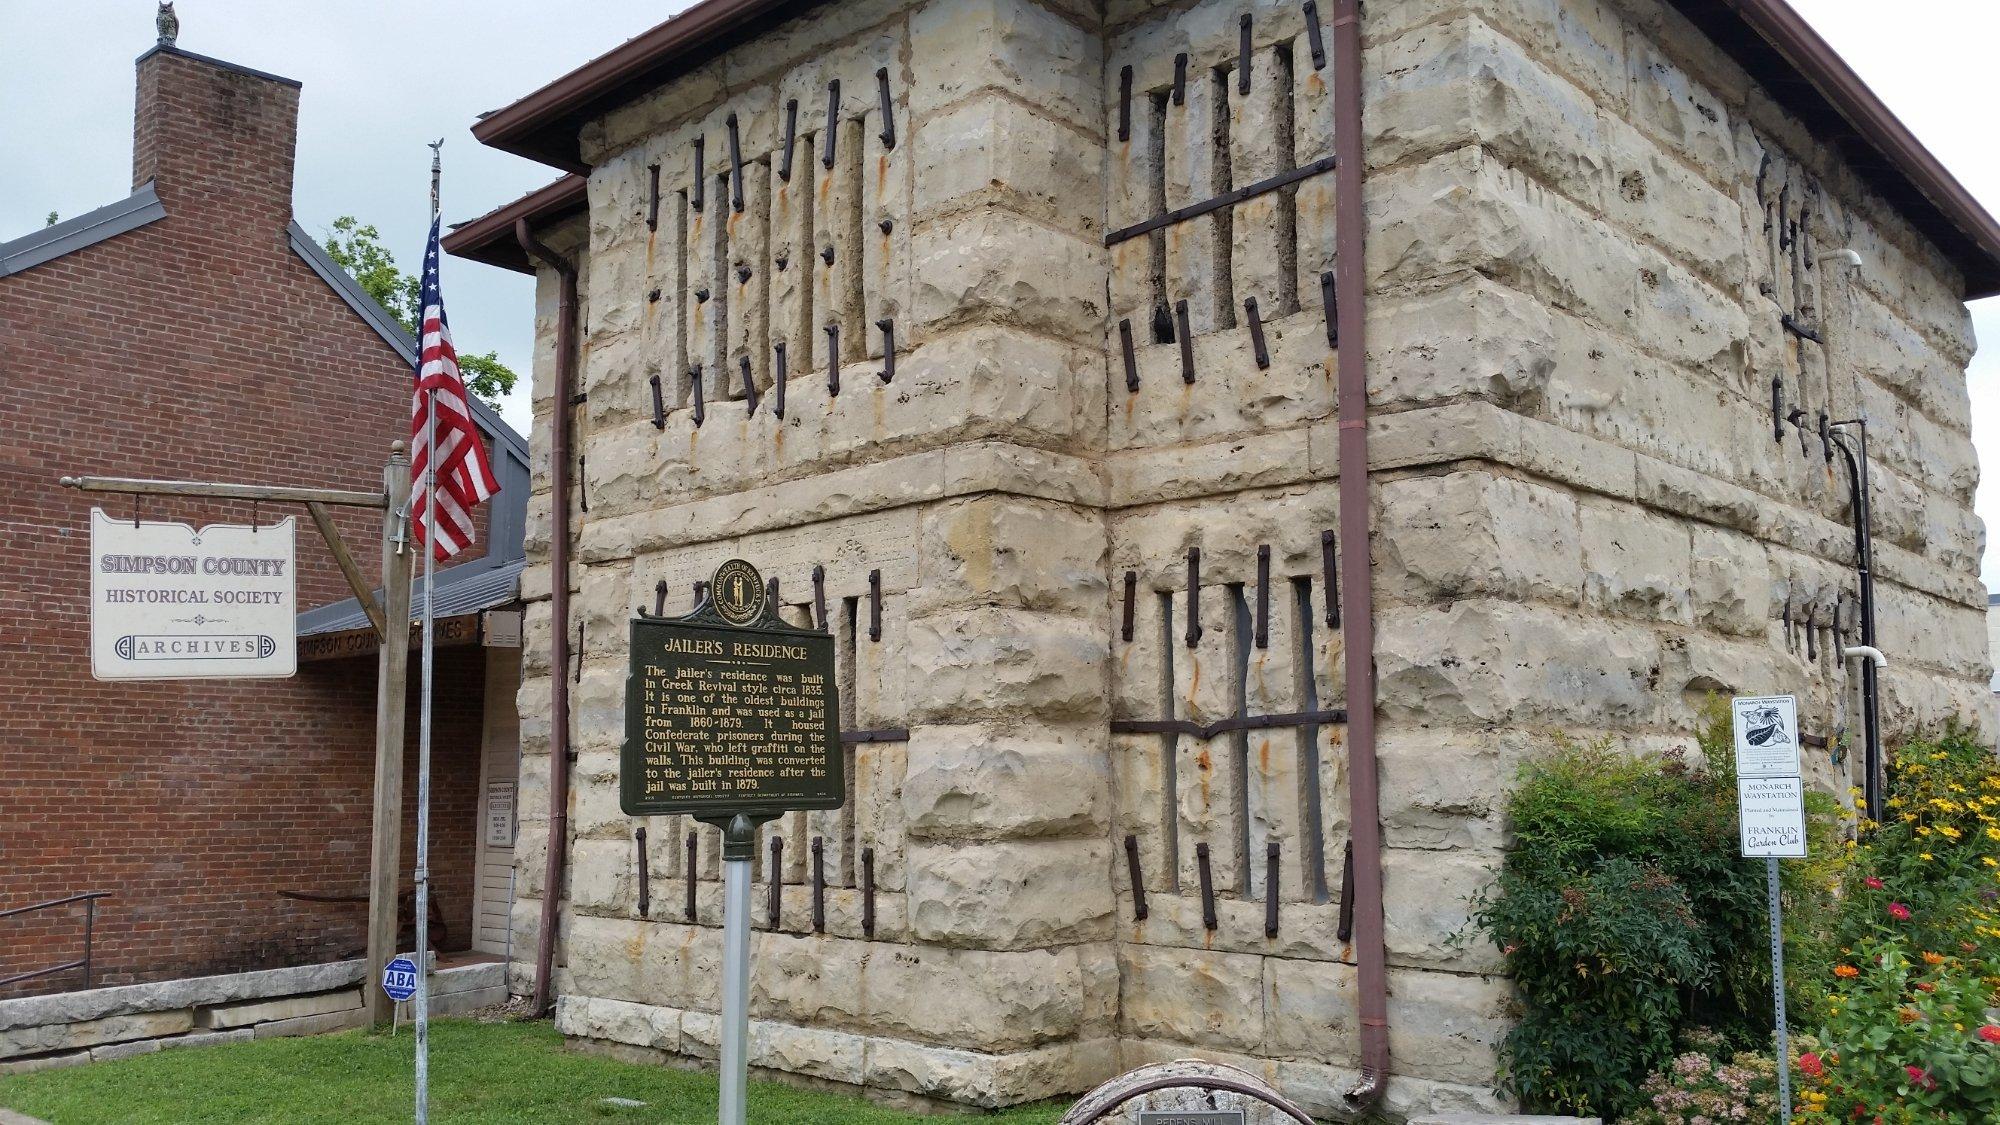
(170, 602)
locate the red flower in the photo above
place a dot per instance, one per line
(1990, 1033)
(1872, 883)
(1899, 912)
(1921, 1077)
(1810, 1065)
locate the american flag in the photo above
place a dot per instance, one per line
(464, 477)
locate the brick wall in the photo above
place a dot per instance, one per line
(198, 346)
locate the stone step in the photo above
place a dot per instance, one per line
(287, 1008)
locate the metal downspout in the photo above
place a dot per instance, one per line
(559, 483)
(1356, 579)
(1864, 566)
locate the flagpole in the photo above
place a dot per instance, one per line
(423, 872)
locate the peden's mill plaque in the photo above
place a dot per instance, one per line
(729, 709)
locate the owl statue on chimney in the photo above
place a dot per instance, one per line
(168, 23)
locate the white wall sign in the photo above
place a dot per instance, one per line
(499, 814)
(1767, 735)
(168, 602)
(1772, 814)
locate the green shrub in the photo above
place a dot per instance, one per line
(1627, 918)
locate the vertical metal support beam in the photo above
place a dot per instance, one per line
(771, 590)
(693, 871)
(1180, 78)
(775, 876)
(1778, 408)
(699, 194)
(791, 139)
(694, 378)
(1131, 361)
(1329, 303)
(1271, 888)
(1186, 340)
(778, 379)
(1243, 54)
(659, 403)
(749, 386)
(391, 683)
(1329, 554)
(830, 137)
(1125, 104)
(660, 598)
(1344, 924)
(1256, 322)
(653, 197)
(819, 596)
(735, 166)
(868, 891)
(89, 938)
(1194, 597)
(1138, 882)
(1131, 596)
(1313, 37)
(832, 355)
(1207, 886)
(888, 327)
(700, 588)
(645, 877)
(888, 133)
(1263, 632)
(875, 605)
(819, 884)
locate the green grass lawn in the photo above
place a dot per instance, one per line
(485, 1072)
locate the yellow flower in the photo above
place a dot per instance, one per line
(1989, 861)
(1925, 856)
(1949, 832)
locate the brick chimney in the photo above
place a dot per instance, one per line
(215, 137)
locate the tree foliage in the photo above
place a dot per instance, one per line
(359, 250)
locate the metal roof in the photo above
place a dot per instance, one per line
(490, 237)
(52, 242)
(466, 588)
(1770, 40)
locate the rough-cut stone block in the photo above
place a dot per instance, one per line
(987, 782)
(90, 1033)
(1016, 894)
(313, 1025)
(243, 1015)
(1193, 996)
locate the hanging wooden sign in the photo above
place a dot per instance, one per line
(169, 602)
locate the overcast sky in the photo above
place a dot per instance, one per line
(382, 78)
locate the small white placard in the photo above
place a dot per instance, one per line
(499, 814)
(168, 602)
(503, 628)
(1772, 812)
(1767, 735)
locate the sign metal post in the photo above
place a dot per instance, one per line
(1770, 802)
(731, 715)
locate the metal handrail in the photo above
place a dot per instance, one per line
(89, 899)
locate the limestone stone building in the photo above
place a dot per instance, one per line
(1225, 438)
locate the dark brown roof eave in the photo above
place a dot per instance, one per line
(543, 126)
(1768, 38)
(490, 237)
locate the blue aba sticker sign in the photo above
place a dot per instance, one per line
(399, 979)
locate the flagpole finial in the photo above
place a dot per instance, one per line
(437, 171)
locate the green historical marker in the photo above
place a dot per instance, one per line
(731, 716)
(730, 710)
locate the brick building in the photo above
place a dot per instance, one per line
(1225, 438)
(194, 331)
